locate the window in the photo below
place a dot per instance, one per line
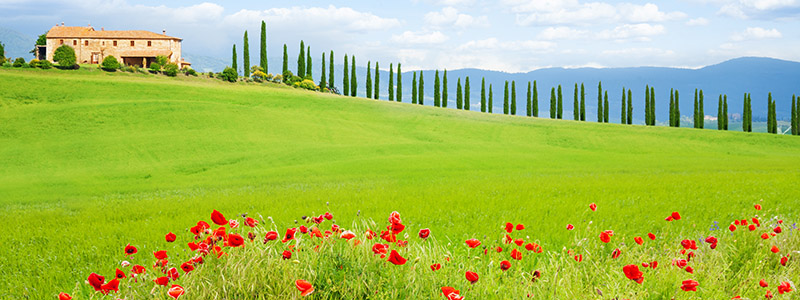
(86, 43)
(133, 43)
(74, 42)
(60, 42)
(149, 43)
(115, 43)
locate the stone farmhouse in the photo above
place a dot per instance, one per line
(130, 47)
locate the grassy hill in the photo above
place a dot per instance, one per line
(93, 161)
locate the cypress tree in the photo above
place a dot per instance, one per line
(535, 100)
(630, 107)
(583, 103)
(671, 108)
(560, 111)
(444, 89)
(528, 108)
(309, 68)
(652, 106)
(246, 56)
(677, 109)
(353, 78)
(483, 96)
(369, 80)
(330, 71)
(235, 64)
(720, 118)
(770, 115)
(797, 118)
(696, 110)
(399, 97)
(264, 63)
(322, 79)
(725, 111)
(513, 98)
(794, 116)
(505, 99)
(702, 116)
(391, 82)
(346, 78)
(285, 62)
(436, 96)
(421, 90)
(576, 110)
(745, 109)
(600, 102)
(490, 98)
(605, 107)
(553, 103)
(301, 61)
(623, 119)
(377, 90)
(459, 95)
(466, 94)
(414, 89)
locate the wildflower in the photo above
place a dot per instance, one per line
(471, 276)
(289, 234)
(516, 254)
(112, 285)
(304, 287)
(396, 259)
(505, 265)
(170, 237)
(536, 275)
(394, 218)
(570, 227)
(768, 295)
(435, 267)
(763, 283)
(173, 274)
(347, 235)
(689, 269)
(130, 250)
(379, 248)
(472, 243)
(175, 291)
(498, 249)
(616, 253)
(593, 207)
(187, 267)
(579, 257)
(162, 254)
(250, 222)
(125, 263)
(509, 227)
(328, 216)
(119, 274)
(752, 227)
(633, 273)
(64, 296)
(757, 206)
(233, 223)
(424, 233)
(96, 281)
(519, 242)
(218, 218)
(784, 288)
(137, 269)
(777, 229)
(287, 254)
(765, 236)
(689, 244)
(163, 280)
(784, 260)
(638, 240)
(690, 285)
(451, 293)
(775, 249)
(605, 236)
(732, 228)
(713, 241)
(651, 236)
(235, 240)
(520, 227)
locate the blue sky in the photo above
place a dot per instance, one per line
(505, 35)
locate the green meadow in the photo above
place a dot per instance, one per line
(92, 161)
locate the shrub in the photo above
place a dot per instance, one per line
(189, 72)
(65, 57)
(34, 63)
(277, 79)
(155, 68)
(171, 70)
(229, 75)
(19, 62)
(44, 65)
(110, 64)
(6, 64)
(259, 76)
(287, 77)
(162, 60)
(309, 85)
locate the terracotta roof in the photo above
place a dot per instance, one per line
(89, 32)
(145, 53)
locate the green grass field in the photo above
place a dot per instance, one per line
(91, 161)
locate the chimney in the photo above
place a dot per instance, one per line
(164, 32)
(102, 29)
(62, 23)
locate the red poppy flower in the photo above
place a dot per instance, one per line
(579, 257)
(763, 283)
(137, 269)
(654, 264)
(289, 234)
(509, 227)
(187, 267)
(130, 250)
(680, 262)
(64, 296)
(397, 228)
(784, 260)
(645, 265)
(765, 236)
(112, 285)
(424, 233)
(304, 287)
(605, 236)
(328, 216)
(777, 229)
(235, 240)
(96, 281)
(520, 227)
(711, 240)
(536, 275)
(347, 235)
(218, 218)
(435, 267)
(379, 248)
(768, 295)
(508, 239)
(175, 291)
(250, 222)
(570, 227)
(472, 243)
(785, 287)
(163, 280)
(638, 240)
(689, 269)
(396, 259)
(755, 221)
(689, 244)
(651, 236)
(519, 242)
(633, 273)
(287, 254)
(447, 291)
(690, 285)
(675, 215)
(752, 227)
(173, 274)
(270, 236)
(593, 207)
(162, 254)
(394, 218)
(616, 253)
(119, 274)
(471, 276)
(516, 254)
(170, 237)
(775, 249)
(757, 206)
(233, 223)
(732, 228)
(505, 265)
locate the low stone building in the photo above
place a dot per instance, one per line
(130, 47)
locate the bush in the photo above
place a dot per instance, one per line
(229, 75)
(162, 60)
(34, 63)
(189, 71)
(171, 70)
(155, 68)
(277, 79)
(19, 62)
(6, 64)
(110, 64)
(65, 57)
(44, 65)
(309, 85)
(259, 76)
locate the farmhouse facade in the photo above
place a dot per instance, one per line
(131, 47)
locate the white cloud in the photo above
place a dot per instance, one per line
(648, 13)
(495, 44)
(409, 37)
(331, 17)
(768, 9)
(561, 33)
(698, 22)
(639, 52)
(640, 32)
(538, 12)
(449, 16)
(756, 33)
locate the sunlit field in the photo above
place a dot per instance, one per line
(91, 162)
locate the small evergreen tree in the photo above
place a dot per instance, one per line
(771, 122)
(491, 104)
(444, 89)
(600, 102)
(346, 78)
(725, 110)
(437, 97)
(677, 109)
(246, 56)
(535, 101)
(264, 63)
(720, 118)
(466, 94)
(505, 99)
(583, 103)
(605, 107)
(414, 89)
(377, 89)
(421, 90)
(528, 106)
(744, 113)
(322, 80)
(560, 112)
(353, 78)
(630, 107)
(399, 97)
(391, 82)
(330, 71)
(702, 115)
(513, 98)
(576, 110)
(794, 116)
(652, 106)
(553, 104)
(647, 105)
(234, 64)
(459, 95)
(483, 96)
(64, 56)
(285, 62)
(671, 108)
(622, 119)
(309, 68)
(369, 80)
(301, 61)
(696, 110)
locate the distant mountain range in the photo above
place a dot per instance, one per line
(756, 75)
